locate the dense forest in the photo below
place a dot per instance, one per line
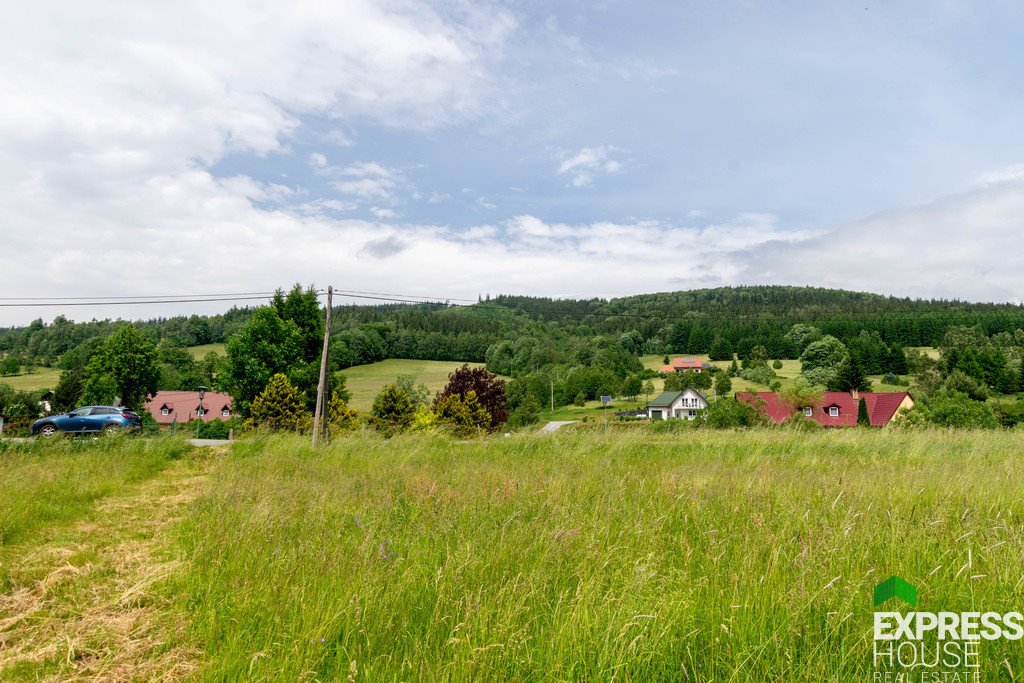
(672, 322)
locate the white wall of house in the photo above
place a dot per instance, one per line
(686, 407)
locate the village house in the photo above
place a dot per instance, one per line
(685, 364)
(683, 405)
(170, 407)
(836, 408)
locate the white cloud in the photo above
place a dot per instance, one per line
(383, 213)
(338, 138)
(586, 163)
(966, 246)
(1012, 173)
(368, 180)
(114, 113)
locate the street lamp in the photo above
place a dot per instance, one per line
(202, 392)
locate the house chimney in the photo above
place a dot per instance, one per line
(855, 394)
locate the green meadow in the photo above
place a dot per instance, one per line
(41, 378)
(365, 381)
(714, 556)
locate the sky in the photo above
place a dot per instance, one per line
(458, 149)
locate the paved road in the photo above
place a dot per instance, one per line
(194, 442)
(554, 426)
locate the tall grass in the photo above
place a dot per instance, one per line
(724, 556)
(58, 480)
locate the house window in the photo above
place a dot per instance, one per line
(225, 413)
(164, 411)
(807, 412)
(833, 411)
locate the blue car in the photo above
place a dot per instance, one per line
(88, 420)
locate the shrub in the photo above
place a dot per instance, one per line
(822, 377)
(424, 420)
(526, 413)
(952, 410)
(728, 413)
(798, 422)
(760, 374)
(777, 364)
(341, 418)
(463, 416)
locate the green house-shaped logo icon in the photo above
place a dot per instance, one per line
(895, 587)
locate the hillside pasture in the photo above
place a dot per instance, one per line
(199, 352)
(366, 381)
(42, 378)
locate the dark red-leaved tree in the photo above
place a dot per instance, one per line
(489, 388)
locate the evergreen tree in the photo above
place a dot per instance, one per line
(850, 376)
(721, 349)
(392, 410)
(862, 413)
(279, 407)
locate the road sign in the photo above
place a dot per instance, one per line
(606, 399)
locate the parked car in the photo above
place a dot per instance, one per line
(88, 420)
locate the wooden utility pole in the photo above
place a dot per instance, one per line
(321, 387)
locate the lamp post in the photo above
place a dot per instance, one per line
(202, 393)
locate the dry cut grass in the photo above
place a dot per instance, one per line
(82, 600)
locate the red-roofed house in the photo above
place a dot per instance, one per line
(681, 364)
(168, 407)
(836, 409)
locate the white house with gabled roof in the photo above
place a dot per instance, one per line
(681, 405)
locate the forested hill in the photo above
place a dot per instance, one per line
(669, 322)
(737, 312)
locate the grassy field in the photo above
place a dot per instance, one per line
(42, 378)
(198, 352)
(366, 381)
(789, 371)
(724, 556)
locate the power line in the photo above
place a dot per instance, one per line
(7, 304)
(138, 296)
(401, 296)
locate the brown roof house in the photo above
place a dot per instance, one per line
(168, 407)
(683, 364)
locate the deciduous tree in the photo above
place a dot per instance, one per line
(488, 387)
(125, 366)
